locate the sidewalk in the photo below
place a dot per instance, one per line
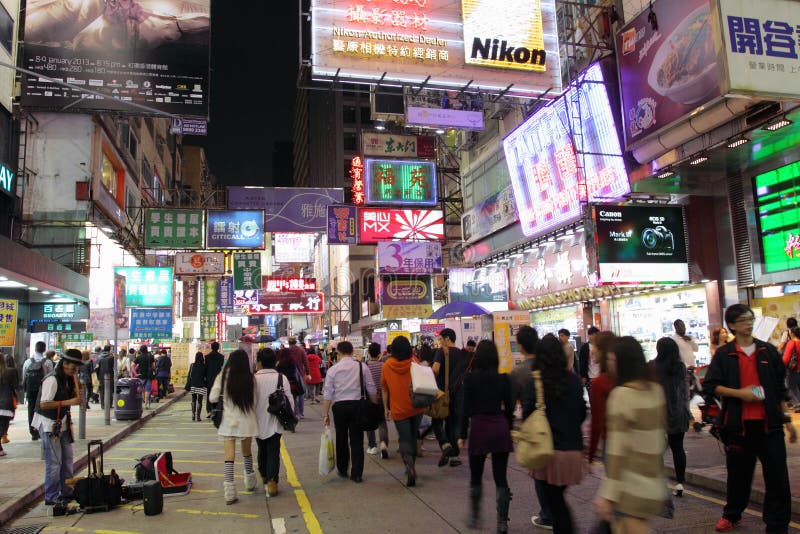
(22, 470)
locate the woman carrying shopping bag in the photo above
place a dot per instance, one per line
(235, 385)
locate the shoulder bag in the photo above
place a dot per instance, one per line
(188, 385)
(280, 407)
(219, 406)
(440, 408)
(369, 415)
(535, 439)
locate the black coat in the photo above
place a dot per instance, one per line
(9, 383)
(565, 415)
(214, 363)
(197, 376)
(672, 377)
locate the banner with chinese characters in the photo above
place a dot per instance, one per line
(287, 303)
(190, 299)
(399, 182)
(68, 311)
(225, 295)
(288, 285)
(85, 337)
(778, 219)
(342, 222)
(287, 209)
(384, 224)
(151, 323)
(406, 297)
(398, 146)
(208, 327)
(199, 263)
(147, 286)
(246, 270)
(478, 285)
(173, 228)
(208, 297)
(56, 326)
(8, 322)
(357, 177)
(235, 229)
(401, 257)
(293, 248)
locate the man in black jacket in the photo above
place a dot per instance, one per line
(749, 376)
(214, 362)
(105, 367)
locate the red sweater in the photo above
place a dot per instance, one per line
(313, 369)
(598, 396)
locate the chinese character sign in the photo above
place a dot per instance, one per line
(294, 248)
(401, 257)
(287, 303)
(394, 182)
(225, 295)
(289, 285)
(287, 209)
(8, 322)
(208, 327)
(199, 263)
(357, 177)
(208, 297)
(190, 299)
(151, 323)
(235, 229)
(147, 286)
(342, 222)
(383, 224)
(167, 228)
(761, 41)
(397, 146)
(246, 270)
(77, 338)
(779, 218)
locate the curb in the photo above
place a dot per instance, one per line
(33, 494)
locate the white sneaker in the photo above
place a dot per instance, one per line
(372, 450)
(538, 523)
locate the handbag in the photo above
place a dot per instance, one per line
(369, 415)
(326, 453)
(534, 438)
(440, 407)
(280, 407)
(188, 385)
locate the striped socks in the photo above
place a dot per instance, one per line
(248, 464)
(229, 470)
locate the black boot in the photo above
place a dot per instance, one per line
(474, 521)
(503, 501)
(194, 410)
(199, 408)
(411, 470)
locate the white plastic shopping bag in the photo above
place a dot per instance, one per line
(326, 454)
(422, 380)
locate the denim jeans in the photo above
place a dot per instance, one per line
(58, 463)
(407, 431)
(298, 406)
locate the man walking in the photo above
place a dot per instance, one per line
(300, 359)
(686, 344)
(105, 368)
(569, 350)
(449, 366)
(588, 368)
(214, 362)
(748, 375)
(34, 370)
(376, 368)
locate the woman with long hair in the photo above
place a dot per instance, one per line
(197, 384)
(12, 367)
(236, 386)
(719, 337)
(600, 387)
(634, 489)
(487, 417)
(566, 410)
(671, 373)
(9, 382)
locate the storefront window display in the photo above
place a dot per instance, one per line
(649, 317)
(551, 321)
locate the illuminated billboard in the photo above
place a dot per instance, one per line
(147, 287)
(443, 43)
(393, 182)
(543, 157)
(383, 224)
(779, 217)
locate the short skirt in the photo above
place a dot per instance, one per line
(565, 468)
(488, 434)
(199, 391)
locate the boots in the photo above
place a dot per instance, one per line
(194, 409)
(503, 501)
(199, 408)
(230, 492)
(411, 470)
(474, 521)
(249, 481)
(272, 488)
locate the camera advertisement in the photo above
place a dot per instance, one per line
(485, 287)
(641, 245)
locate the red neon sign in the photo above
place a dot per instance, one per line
(357, 174)
(287, 304)
(288, 285)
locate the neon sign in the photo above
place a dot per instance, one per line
(288, 285)
(357, 175)
(381, 224)
(400, 182)
(778, 205)
(793, 246)
(287, 303)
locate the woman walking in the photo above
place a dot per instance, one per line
(566, 410)
(314, 384)
(600, 388)
(791, 360)
(396, 394)
(634, 489)
(12, 367)
(197, 384)
(9, 382)
(288, 368)
(235, 386)
(671, 373)
(487, 418)
(268, 438)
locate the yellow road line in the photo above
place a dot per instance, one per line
(208, 512)
(312, 523)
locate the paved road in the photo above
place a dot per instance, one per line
(310, 503)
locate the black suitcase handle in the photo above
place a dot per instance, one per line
(92, 467)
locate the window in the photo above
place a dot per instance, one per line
(108, 175)
(128, 139)
(350, 141)
(348, 114)
(6, 30)
(158, 190)
(130, 206)
(147, 173)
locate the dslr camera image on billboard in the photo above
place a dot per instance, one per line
(658, 239)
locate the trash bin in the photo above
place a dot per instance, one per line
(128, 399)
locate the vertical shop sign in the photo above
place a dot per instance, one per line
(357, 176)
(208, 327)
(342, 222)
(225, 295)
(190, 299)
(505, 327)
(208, 297)
(8, 322)
(246, 271)
(173, 228)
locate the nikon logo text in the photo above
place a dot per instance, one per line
(497, 50)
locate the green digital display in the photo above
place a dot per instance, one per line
(148, 287)
(778, 204)
(400, 182)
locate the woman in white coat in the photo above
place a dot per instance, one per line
(268, 438)
(236, 386)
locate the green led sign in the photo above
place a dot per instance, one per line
(778, 205)
(400, 182)
(147, 287)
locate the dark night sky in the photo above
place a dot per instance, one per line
(253, 80)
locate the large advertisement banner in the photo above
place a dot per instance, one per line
(147, 286)
(443, 43)
(196, 263)
(383, 224)
(398, 182)
(641, 245)
(478, 285)
(410, 297)
(150, 52)
(398, 146)
(287, 209)
(235, 229)
(669, 71)
(167, 228)
(488, 216)
(400, 257)
(342, 222)
(8, 322)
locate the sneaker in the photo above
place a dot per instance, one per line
(455, 462)
(726, 525)
(384, 451)
(678, 491)
(372, 450)
(538, 522)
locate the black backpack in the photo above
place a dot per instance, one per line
(34, 375)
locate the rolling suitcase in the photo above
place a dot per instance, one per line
(98, 492)
(153, 497)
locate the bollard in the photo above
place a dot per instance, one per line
(107, 397)
(82, 411)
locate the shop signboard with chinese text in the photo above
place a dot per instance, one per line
(342, 221)
(385, 224)
(397, 146)
(667, 72)
(208, 297)
(401, 257)
(358, 189)
(8, 322)
(235, 229)
(287, 209)
(246, 270)
(199, 263)
(406, 297)
(156, 55)
(294, 248)
(85, 337)
(208, 327)
(483, 286)
(68, 311)
(489, 215)
(191, 299)
(167, 228)
(147, 286)
(447, 43)
(151, 323)
(445, 118)
(641, 245)
(225, 295)
(505, 326)
(542, 156)
(778, 207)
(287, 303)
(399, 182)
(289, 285)
(56, 326)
